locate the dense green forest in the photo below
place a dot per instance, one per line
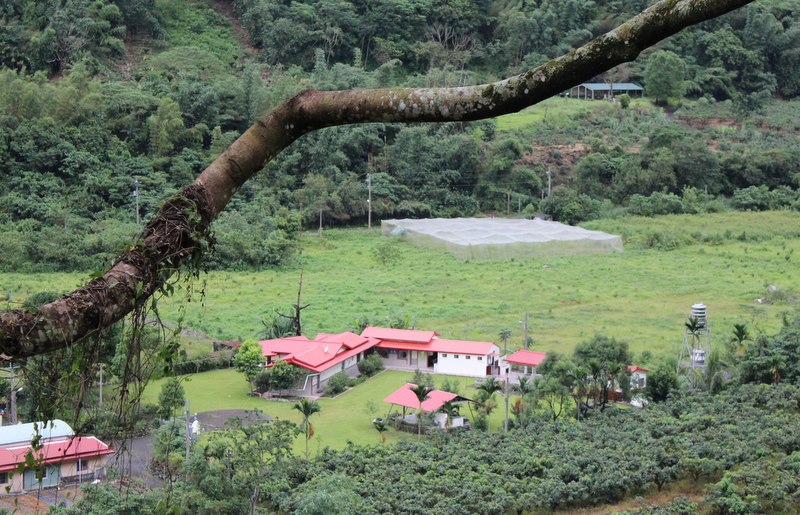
(108, 107)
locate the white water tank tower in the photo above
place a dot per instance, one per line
(699, 312)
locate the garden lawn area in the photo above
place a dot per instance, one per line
(346, 418)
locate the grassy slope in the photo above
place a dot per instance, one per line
(642, 296)
(193, 23)
(346, 418)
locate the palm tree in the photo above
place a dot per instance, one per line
(525, 385)
(422, 392)
(450, 409)
(380, 427)
(489, 387)
(486, 391)
(715, 371)
(740, 336)
(694, 327)
(307, 408)
(504, 335)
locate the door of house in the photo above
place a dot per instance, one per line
(433, 357)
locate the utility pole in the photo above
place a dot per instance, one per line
(369, 201)
(525, 341)
(136, 195)
(508, 202)
(505, 353)
(549, 181)
(188, 428)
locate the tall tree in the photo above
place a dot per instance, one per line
(421, 392)
(178, 232)
(249, 360)
(307, 408)
(172, 397)
(664, 76)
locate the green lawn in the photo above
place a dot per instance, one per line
(346, 418)
(641, 295)
(560, 111)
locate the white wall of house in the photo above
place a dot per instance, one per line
(339, 367)
(638, 380)
(461, 364)
(326, 374)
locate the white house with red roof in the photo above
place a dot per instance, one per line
(63, 456)
(426, 351)
(322, 357)
(328, 354)
(638, 377)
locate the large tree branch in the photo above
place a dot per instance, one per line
(177, 230)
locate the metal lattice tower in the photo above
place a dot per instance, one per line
(696, 348)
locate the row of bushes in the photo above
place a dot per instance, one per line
(202, 363)
(693, 201)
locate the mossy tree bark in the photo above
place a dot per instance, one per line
(178, 231)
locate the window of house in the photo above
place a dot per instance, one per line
(444, 355)
(480, 358)
(467, 357)
(83, 465)
(3, 477)
(455, 356)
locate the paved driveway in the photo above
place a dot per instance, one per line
(132, 457)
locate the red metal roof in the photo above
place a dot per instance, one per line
(348, 339)
(319, 354)
(441, 345)
(405, 397)
(635, 368)
(398, 335)
(54, 451)
(530, 358)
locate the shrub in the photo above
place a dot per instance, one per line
(387, 251)
(656, 204)
(570, 207)
(370, 365)
(663, 240)
(337, 384)
(761, 198)
(262, 381)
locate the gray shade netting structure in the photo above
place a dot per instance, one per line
(501, 238)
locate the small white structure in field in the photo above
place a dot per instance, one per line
(501, 238)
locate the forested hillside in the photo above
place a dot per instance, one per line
(108, 107)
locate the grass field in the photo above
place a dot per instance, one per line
(560, 111)
(346, 418)
(641, 295)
